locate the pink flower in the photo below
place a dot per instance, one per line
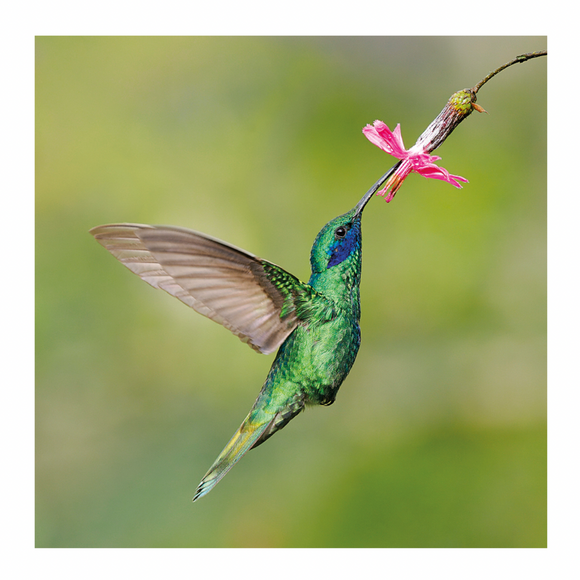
(416, 159)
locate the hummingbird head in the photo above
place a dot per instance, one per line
(338, 244)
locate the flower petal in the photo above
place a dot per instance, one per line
(389, 141)
(433, 171)
(417, 159)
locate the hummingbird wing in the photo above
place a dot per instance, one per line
(249, 296)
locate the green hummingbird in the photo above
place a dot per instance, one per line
(314, 326)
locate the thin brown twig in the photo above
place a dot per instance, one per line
(461, 105)
(518, 59)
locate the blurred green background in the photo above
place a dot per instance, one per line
(437, 437)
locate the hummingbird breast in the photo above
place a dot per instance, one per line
(317, 357)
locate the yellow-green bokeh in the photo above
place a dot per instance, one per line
(437, 437)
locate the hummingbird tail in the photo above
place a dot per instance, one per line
(242, 441)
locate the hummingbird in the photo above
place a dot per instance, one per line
(314, 325)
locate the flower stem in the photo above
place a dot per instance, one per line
(418, 159)
(521, 58)
(460, 106)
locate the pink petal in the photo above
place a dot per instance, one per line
(435, 172)
(373, 136)
(415, 159)
(389, 141)
(393, 138)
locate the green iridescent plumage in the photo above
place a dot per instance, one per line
(315, 326)
(315, 359)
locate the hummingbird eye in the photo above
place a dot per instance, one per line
(340, 232)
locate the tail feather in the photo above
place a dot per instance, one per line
(242, 441)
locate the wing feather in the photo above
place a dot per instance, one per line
(216, 279)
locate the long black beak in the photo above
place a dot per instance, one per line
(361, 204)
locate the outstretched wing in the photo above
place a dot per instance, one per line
(218, 280)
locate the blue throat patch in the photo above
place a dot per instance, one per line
(341, 249)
